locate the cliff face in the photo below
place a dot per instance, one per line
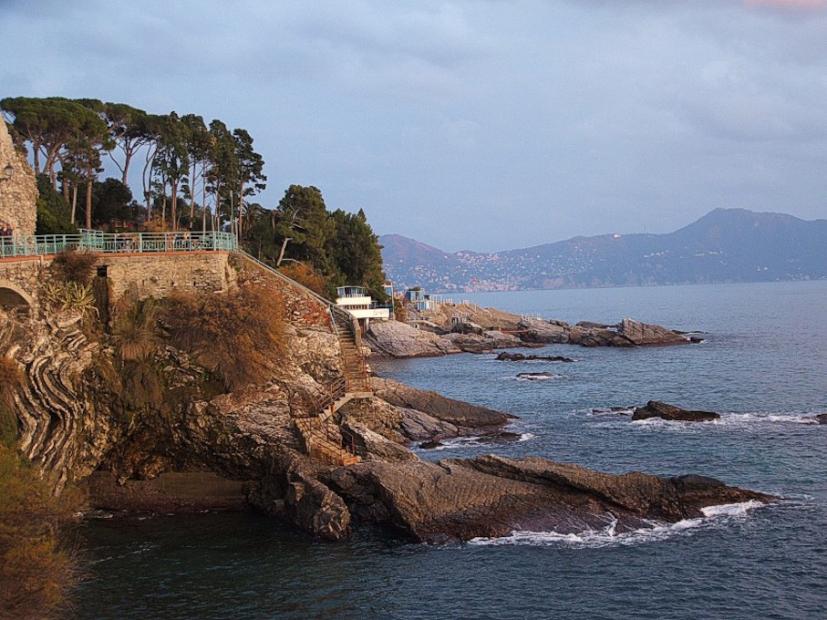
(18, 194)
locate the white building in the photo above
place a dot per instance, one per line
(355, 299)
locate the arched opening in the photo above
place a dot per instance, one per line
(13, 298)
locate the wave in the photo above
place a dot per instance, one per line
(478, 441)
(734, 419)
(608, 536)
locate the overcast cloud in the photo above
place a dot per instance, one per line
(484, 125)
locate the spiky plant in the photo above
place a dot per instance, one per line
(134, 328)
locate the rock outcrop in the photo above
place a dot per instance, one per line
(84, 409)
(657, 409)
(492, 496)
(18, 194)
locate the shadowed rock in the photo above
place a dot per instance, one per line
(492, 496)
(657, 409)
(505, 356)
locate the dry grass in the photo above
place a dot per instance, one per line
(239, 335)
(305, 274)
(135, 327)
(36, 569)
(73, 266)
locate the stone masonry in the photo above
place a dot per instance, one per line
(18, 195)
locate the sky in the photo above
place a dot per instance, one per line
(482, 125)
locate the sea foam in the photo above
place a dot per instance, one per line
(609, 537)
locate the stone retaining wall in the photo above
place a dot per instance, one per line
(151, 275)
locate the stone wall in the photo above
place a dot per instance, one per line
(151, 275)
(18, 195)
(157, 275)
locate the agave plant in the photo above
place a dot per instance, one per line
(70, 297)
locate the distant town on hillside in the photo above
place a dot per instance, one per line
(725, 245)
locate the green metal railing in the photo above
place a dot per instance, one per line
(117, 243)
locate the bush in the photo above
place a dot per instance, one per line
(238, 335)
(305, 275)
(73, 266)
(10, 380)
(36, 568)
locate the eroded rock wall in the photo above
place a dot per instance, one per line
(18, 194)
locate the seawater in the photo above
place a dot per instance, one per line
(763, 365)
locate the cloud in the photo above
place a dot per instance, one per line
(476, 124)
(789, 4)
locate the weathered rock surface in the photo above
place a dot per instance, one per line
(492, 496)
(454, 412)
(398, 339)
(657, 409)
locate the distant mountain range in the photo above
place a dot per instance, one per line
(725, 245)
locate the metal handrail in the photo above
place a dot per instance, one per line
(117, 243)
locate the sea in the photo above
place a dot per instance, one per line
(762, 365)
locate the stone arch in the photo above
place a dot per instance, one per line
(12, 297)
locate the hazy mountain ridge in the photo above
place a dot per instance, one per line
(725, 245)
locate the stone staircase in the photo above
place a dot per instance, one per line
(319, 435)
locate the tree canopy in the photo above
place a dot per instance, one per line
(193, 175)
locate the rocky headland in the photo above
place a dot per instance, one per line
(147, 427)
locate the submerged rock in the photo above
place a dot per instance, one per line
(821, 418)
(505, 356)
(615, 410)
(657, 409)
(536, 376)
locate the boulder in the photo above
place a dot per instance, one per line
(821, 418)
(643, 334)
(398, 339)
(418, 426)
(545, 332)
(657, 409)
(372, 446)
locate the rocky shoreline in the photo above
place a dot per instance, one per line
(474, 330)
(86, 420)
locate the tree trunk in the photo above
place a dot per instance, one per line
(89, 201)
(127, 157)
(174, 198)
(74, 202)
(192, 195)
(283, 248)
(203, 201)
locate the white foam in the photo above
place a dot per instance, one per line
(731, 510)
(547, 377)
(608, 536)
(478, 441)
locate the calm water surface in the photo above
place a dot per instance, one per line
(763, 366)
